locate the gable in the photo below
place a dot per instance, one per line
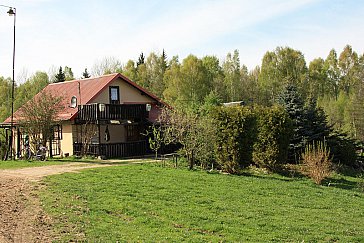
(129, 94)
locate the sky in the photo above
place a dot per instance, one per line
(79, 33)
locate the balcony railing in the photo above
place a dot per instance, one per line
(113, 150)
(99, 112)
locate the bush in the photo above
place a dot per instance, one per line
(316, 162)
(274, 131)
(235, 136)
(246, 135)
(342, 149)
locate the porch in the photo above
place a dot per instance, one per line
(113, 150)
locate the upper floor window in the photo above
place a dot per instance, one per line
(114, 95)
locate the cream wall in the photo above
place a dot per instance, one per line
(128, 94)
(67, 140)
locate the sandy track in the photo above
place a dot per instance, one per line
(21, 216)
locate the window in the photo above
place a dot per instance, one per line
(57, 132)
(114, 95)
(133, 133)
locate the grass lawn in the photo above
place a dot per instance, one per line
(152, 203)
(16, 164)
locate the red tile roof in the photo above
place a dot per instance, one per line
(89, 88)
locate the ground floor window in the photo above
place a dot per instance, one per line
(134, 133)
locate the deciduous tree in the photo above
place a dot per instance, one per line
(231, 68)
(38, 117)
(282, 67)
(107, 65)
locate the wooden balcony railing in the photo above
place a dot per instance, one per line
(99, 112)
(113, 150)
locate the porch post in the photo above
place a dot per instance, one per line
(50, 147)
(18, 140)
(99, 131)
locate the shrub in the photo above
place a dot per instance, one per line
(316, 162)
(342, 149)
(235, 136)
(245, 135)
(274, 131)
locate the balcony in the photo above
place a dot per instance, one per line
(105, 112)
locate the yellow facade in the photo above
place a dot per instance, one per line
(66, 142)
(128, 94)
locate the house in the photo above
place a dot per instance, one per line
(104, 116)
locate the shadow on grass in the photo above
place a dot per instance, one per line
(281, 174)
(340, 183)
(102, 162)
(350, 171)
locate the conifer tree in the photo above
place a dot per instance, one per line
(60, 76)
(294, 106)
(164, 61)
(85, 74)
(141, 59)
(309, 121)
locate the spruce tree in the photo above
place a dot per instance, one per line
(164, 61)
(141, 59)
(293, 103)
(60, 76)
(85, 74)
(316, 127)
(309, 122)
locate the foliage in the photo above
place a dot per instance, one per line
(342, 148)
(274, 130)
(85, 74)
(316, 162)
(155, 138)
(60, 76)
(37, 118)
(68, 74)
(141, 59)
(3, 144)
(235, 136)
(282, 67)
(348, 62)
(251, 134)
(317, 79)
(26, 91)
(293, 104)
(186, 84)
(231, 68)
(107, 65)
(149, 203)
(182, 128)
(205, 154)
(5, 98)
(155, 68)
(309, 121)
(129, 70)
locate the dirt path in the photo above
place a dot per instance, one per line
(21, 215)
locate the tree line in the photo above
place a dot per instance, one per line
(336, 83)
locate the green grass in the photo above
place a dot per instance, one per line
(151, 203)
(17, 164)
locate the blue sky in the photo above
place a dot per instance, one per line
(78, 33)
